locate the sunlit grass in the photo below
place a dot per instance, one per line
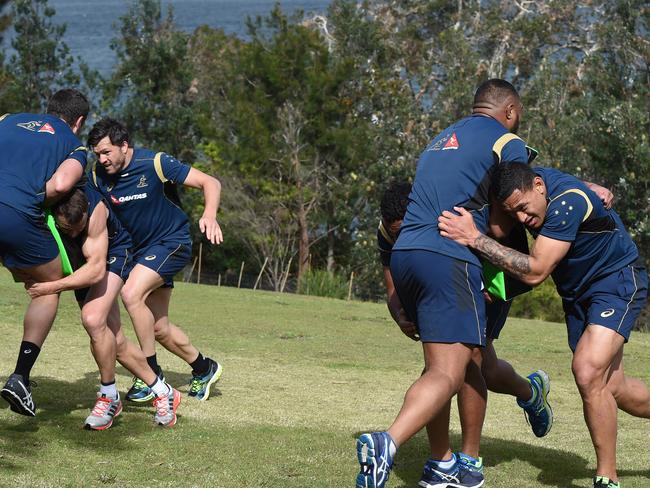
(302, 377)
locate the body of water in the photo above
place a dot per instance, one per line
(91, 25)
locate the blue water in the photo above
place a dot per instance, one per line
(92, 24)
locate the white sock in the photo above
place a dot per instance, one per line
(110, 391)
(446, 465)
(160, 388)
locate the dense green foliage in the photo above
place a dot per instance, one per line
(306, 119)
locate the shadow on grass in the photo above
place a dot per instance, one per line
(61, 408)
(557, 468)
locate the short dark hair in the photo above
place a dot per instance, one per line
(494, 91)
(509, 177)
(114, 129)
(72, 207)
(68, 104)
(394, 201)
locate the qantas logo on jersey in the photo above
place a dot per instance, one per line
(445, 143)
(452, 143)
(117, 201)
(37, 126)
(46, 128)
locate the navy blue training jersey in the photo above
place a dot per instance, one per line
(455, 171)
(137, 196)
(574, 213)
(32, 147)
(118, 237)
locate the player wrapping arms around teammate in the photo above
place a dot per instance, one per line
(106, 246)
(41, 159)
(598, 273)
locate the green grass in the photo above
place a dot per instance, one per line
(302, 377)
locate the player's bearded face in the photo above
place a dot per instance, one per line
(529, 206)
(112, 157)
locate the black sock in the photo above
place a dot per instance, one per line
(26, 358)
(153, 364)
(200, 365)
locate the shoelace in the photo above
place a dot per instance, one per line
(162, 405)
(196, 385)
(101, 406)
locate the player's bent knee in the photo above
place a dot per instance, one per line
(587, 377)
(131, 297)
(94, 322)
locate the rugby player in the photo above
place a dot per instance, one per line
(499, 375)
(132, 181)
(84, 216)
(41, 159)
(439, 282)
(598, 273)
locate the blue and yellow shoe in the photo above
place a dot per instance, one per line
(604, 482)
(200, 384)
(140, 391)
(373, 453)
(466, 472)
(538, 411)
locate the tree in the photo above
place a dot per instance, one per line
(42, 62)
(151, 87)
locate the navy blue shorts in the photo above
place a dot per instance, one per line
(497, 313)
(614, 301)
(119, 261)
(24, 242)
(165, 258)
(443, 294)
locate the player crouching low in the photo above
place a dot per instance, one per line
(84, 217)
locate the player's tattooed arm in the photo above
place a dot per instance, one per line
(514, 262)
(531, 269)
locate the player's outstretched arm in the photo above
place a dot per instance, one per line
(62, 181)
(211, 188)
(95, 249)
(531, 269)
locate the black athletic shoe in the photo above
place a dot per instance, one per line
(18, 394)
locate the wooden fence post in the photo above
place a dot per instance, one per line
(286, 275)
(259, 276)
(241, 270)
(192, 270)
(198, 278)
(350, 287)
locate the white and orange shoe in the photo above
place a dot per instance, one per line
(102, 415)
(166, 407)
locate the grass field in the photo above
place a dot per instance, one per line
(303, 376)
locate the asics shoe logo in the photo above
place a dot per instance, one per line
(607, 313)
(27, 351)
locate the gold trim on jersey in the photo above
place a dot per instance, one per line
(4, 117)
(590, 207)
(385, 233)
(501, 143)
(157, 164)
